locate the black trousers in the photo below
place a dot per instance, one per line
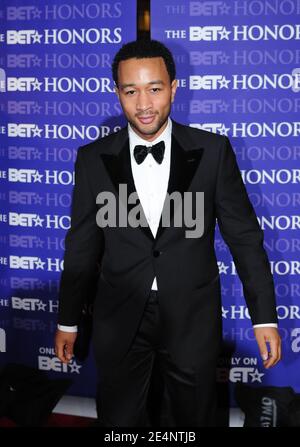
(189, 395)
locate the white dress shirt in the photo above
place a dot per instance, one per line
(151, 183)
(151, 178)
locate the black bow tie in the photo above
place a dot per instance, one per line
(157, 150)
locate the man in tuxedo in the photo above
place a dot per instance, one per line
(158, 290)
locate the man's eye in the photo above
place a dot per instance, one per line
(155, 89)
(129, 92)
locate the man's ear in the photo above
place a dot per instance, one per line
(174, 85)
(117, 92)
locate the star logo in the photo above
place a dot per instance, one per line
(37, 37)
(39, 264)
(224, 291)
(224, 58)
(42, 326)
(224, 313)
(36, 108)
(224, 34)
(36, 13)
(40, 285)
(38, 221)
(222, 267)
(36, 84)
(36, 154)
(220, 245)
(37, 199)
(74, 367)
(224, 9)
(224, 82)
(223, 107)
(224, 130)
(38, 242)
(41, 306)
(37, 131)
(256, 376)
(37, 177)
(36, 61)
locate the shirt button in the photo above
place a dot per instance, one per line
(156, 253)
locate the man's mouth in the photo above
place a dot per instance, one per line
(146, 119)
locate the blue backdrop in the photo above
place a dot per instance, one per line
(238, 69)
(56, 94)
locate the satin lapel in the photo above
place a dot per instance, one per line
(119, 169)
(182, 170)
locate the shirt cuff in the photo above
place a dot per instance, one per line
(266, 325)
(67, 328)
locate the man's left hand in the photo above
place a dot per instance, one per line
(265, 336)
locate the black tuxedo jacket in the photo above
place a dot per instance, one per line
(186, 269)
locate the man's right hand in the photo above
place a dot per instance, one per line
(64, 344)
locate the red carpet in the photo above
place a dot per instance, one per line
(57, 420)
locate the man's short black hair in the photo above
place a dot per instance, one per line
(144, 48)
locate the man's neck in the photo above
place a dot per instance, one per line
(162, 133)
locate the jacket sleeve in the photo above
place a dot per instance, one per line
(241, 231)
(83, 249)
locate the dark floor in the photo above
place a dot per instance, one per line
(57, 420)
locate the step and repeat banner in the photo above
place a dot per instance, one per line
(56, 95)
(238, 65)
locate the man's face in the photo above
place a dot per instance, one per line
(145, 93)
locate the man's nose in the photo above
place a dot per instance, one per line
(143, 102)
